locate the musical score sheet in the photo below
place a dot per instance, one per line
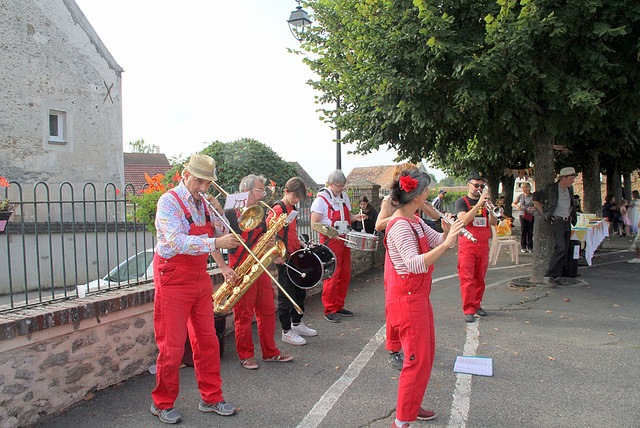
(474, 365)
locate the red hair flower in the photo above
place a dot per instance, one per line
(408, 184)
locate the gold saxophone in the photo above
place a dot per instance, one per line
(250, 270)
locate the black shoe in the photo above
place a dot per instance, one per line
(551, 282)
(396, 359)
(481, 312)
(469, 318)
(332, 317)
(345, 312)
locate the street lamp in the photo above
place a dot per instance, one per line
(299, 22)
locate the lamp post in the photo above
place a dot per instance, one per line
(299, 22)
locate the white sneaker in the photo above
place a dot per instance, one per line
(293, 338)
(303, 330)
(635, 260)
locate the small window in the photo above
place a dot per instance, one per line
(57, 126)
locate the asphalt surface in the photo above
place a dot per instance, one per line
(563, 357)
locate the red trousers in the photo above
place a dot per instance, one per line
(411, 316)
(392, 341)
(334, 289)
(473, 261)
(183, 301)
(258, 301)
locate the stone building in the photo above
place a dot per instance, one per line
(60, 97)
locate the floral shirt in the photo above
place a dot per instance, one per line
(173, 227)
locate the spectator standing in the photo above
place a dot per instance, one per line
(625, 217)
(370, 221)
(633, 212)
(611, 211)
(557, 205)
(524, 203)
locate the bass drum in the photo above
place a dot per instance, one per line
(318, 263)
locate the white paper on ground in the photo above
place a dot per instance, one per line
(474, 365)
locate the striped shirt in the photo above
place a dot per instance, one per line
(403, 248)
(173, 227)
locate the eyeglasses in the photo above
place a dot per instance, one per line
(478, 186)
(261, 191)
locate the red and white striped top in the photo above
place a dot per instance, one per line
(403, 248)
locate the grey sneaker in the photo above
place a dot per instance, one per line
(481, 312)
(469, 318)
(332, 317)
(168, 416)
(396, 359)
(222, 408)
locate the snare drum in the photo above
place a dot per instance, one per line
(361, 241)
(318, 263)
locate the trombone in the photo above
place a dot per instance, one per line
(246, 247)
(250, 217)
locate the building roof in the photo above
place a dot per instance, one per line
(137, 164)
(382, 175)
(308, 181)
(82, 20)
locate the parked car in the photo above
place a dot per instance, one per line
(135, 268)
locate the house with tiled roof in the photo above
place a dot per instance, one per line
(308, 181)
(382, 175)
(137, 164)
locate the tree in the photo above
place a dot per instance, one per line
(451, 182)
(139, 146)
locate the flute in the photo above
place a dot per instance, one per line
(464, 232)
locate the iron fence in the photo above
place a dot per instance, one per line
(64, 244)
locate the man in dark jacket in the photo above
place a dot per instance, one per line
(557, 205)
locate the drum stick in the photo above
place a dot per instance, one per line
(302, 274)
(363, 229)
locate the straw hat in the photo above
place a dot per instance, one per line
(567, 171)
(202, 166)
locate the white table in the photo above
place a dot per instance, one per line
(592, 236)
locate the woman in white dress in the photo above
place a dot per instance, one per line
(632, 212)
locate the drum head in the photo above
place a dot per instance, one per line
(327, 258)
(306, 262)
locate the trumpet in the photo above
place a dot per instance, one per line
(250, 217)
(494, 210)
(232, 294)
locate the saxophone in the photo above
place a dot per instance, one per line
(250, 270)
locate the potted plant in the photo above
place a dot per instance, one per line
(6, 210)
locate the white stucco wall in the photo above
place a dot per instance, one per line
(50, 58)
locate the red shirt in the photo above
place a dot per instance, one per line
(292, 242)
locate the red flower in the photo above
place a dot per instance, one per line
(155, 183)
(4, 182)
(408, 184)
(117, 191)
(310, 193)
(176, 177)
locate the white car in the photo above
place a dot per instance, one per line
(136, 268)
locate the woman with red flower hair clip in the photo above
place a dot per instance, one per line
(412, 249)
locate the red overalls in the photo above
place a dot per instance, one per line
(258, 300)
(473, 261)
(408, 311)
(334, 289)
(182, 302)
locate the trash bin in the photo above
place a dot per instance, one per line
(573, 254)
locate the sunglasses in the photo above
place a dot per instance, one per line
(478, 186)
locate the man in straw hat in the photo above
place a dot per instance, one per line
(183, 288)
(557, 205)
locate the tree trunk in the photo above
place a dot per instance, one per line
(592, 199)
(544, 175)
(627, 186)
(508, 181)
(614, 183)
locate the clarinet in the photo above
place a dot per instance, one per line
(464, 232)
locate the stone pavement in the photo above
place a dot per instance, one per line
(565, 357)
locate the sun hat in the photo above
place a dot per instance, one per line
(566, 171)
(202, 166)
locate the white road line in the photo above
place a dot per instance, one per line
(333, 394)
(462, 392)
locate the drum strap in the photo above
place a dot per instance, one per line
(285, 230)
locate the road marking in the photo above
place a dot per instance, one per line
(455, 275)
(462, 392)
(333, 394)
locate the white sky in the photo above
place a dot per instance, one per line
(199, 70)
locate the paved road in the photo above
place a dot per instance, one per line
(564, 357)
